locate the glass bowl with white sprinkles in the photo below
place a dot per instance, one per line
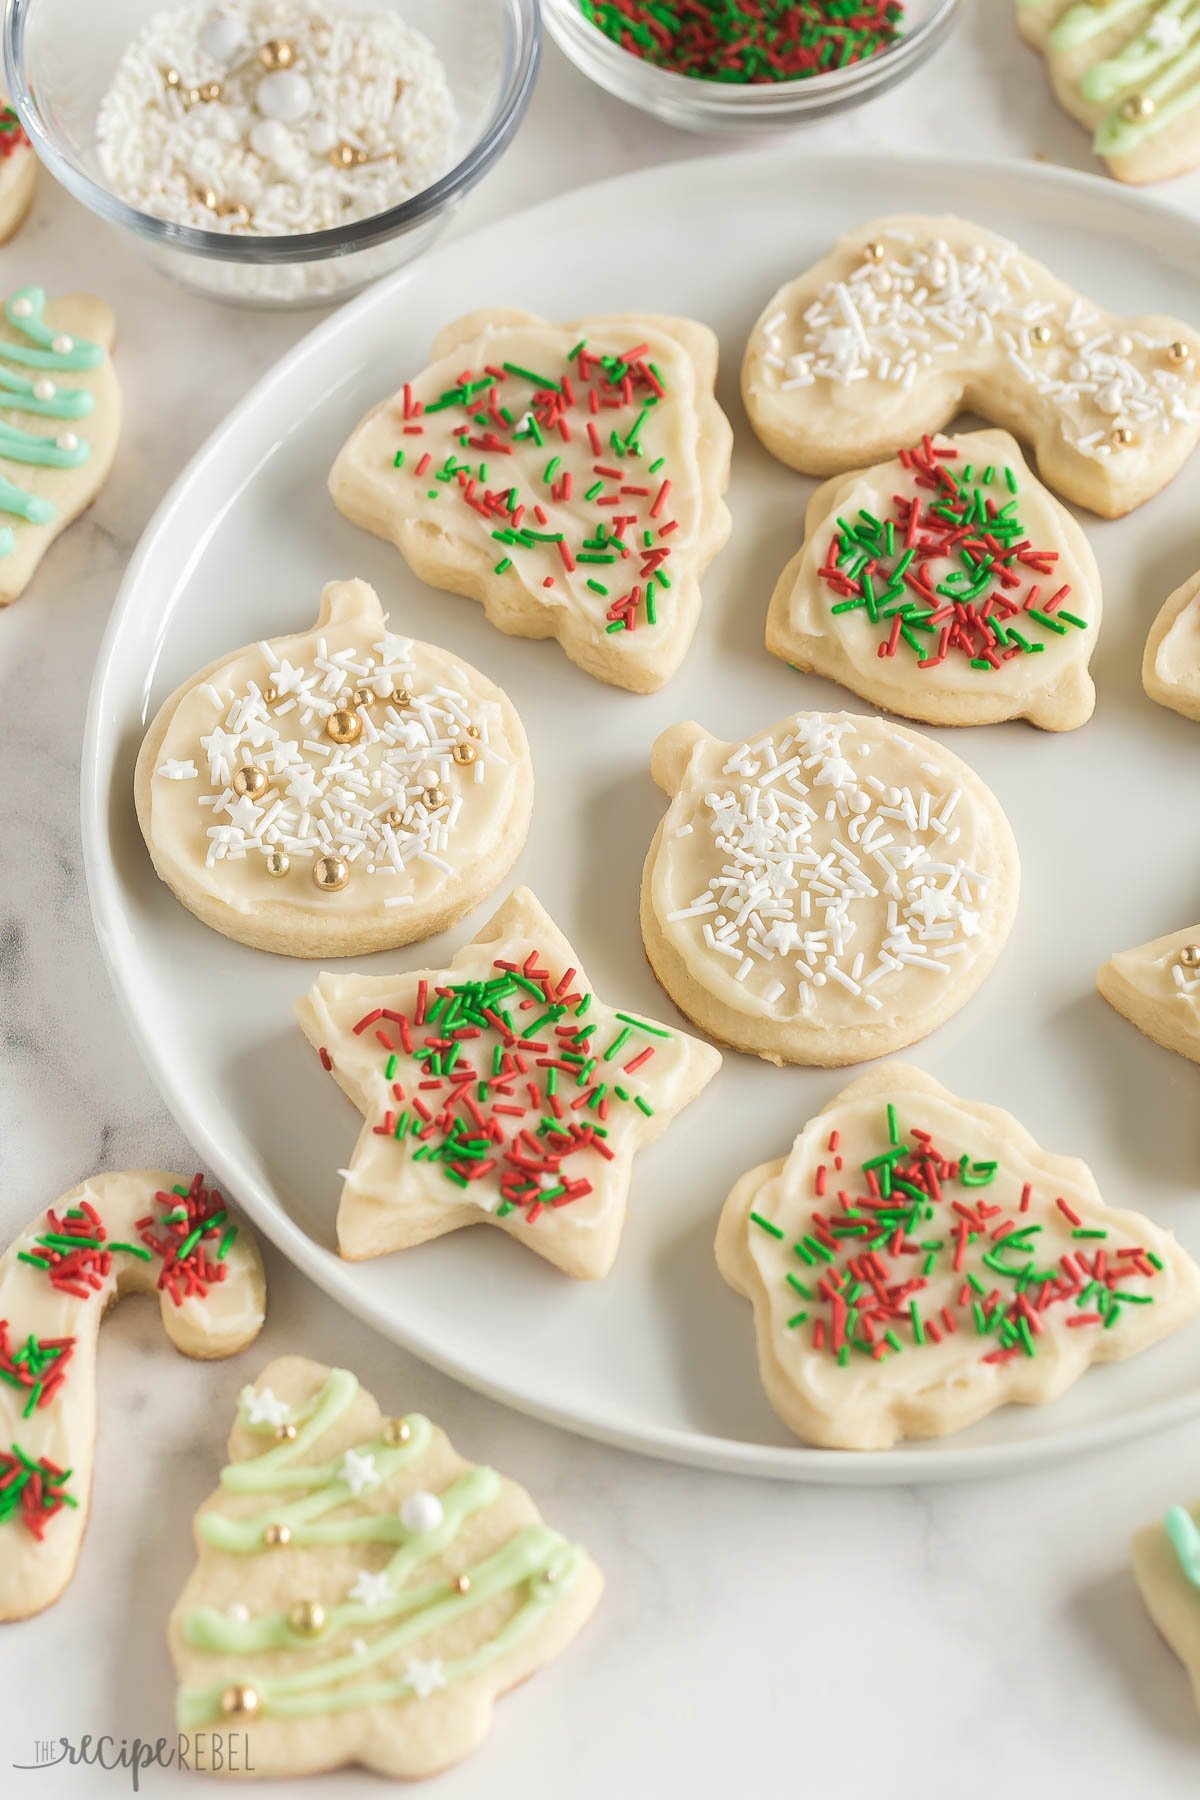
(272, 152)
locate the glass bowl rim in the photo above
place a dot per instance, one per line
(523, 27)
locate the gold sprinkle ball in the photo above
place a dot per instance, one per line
(1178, 353)
(278, 864)
(393, 817)
(250, 782)
(284, 1434)
(434, 798)
(1189, 956)
(209, 91)
(1041, 335)
(277, 1537)
(1138, 108)
(401, 697)
(307, 1618)
(276, 53)
(342, 156)
(464, 752)
(363, 696)
(473, 731)
(396, 1431)
(875, 252)
(172, 77)
(1121, 437)
(240, 1702)
(461, 1584)
(269, 692)
(344, 726)
(203, 197)
(331, 873)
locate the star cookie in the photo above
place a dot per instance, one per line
(1157, 988)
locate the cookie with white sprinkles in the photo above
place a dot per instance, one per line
(344, 790)
(916, 1261)
(1171, 661)
(830, 890)
(911, 320)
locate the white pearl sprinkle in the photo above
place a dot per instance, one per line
(222, 38)
(44, 388)
(21, 309)
(422, 1512)
(62, 345)
(285, 95)
(66, 440)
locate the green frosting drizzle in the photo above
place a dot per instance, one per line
(20, 393)
(1180, 1527)
(1166, 73)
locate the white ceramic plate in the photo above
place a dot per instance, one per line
(660, 1356)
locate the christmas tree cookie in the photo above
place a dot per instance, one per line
(1171, 664)
(340, 791)
(60, 414)
(567, 476)
(1130, 71)
(829, 891)
(498, 1091)
(911, 320)
(947, 585)
(1166, 1565)
(18, 173)
(1157, 988)
(138, 1232)
(916, 1261)
(361, 1593)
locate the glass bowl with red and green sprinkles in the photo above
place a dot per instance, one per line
(743, 65)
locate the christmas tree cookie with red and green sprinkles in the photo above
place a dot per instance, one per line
(946, 585)
(140, 1231)
(500, 1090)
(569, 477)
(18, 173)
(917, 1261)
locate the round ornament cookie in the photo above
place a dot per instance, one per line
(917, 1261)
(831, 890)
(18, 173)
(1171, 663)
(362, 1593)
(142, 1231)
(911, 320)
(336, 792)
(569, 477)
(946, 585)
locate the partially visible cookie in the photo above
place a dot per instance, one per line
(567, 476)
(946, 585)
(140, 1232)
(344, 790)
(1166, 1566)
(828, 891)
(1157, 988)
(917, 1261)
(1171, 663)
(18, 173)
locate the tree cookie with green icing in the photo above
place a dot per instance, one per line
(1157, 988)
(60, 415)
(139, 1232)
(917, 1261)
(946, 585)
(1166, 1566)
(362, 1594)
(829, 890)
(1171, 663)
(344, 790)
(501, 1091)
(18, 173)
(1130, 71)
(912, 320)
(569, 477)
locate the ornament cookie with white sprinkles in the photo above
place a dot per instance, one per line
(497, 1091)
(830, 890)
(946, 585)
(911, 320)
(569, 477)
(1171, 663)
(1157, 988)
(142, 1231)
(18, 173)
(1166, 1566)
(917, 1261)
(340, 791)
(362, 1593)
(60, 416)
(1130, 71)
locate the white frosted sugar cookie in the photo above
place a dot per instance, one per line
(830, 890)
(343, 790)
(143, 1232)
(60, 415)
(500, 1090)
(1166, 1566)
(911, 320)
(1130, 71)
(1157, 988)
(567, 476)
(1171, 664)
(947, 585)
(916, 1261)
(362, 1593)
(18, 173)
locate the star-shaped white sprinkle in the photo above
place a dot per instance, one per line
(243, 814)
(358, 1471)
(371, 1589)
(265, 1408)
(423, 1677)
(1166, 32)
(175, 770)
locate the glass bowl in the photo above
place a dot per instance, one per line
(717, 106)
(58, 65)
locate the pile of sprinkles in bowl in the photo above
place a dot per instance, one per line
(749, 41)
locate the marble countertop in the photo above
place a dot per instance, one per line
(749, 1628)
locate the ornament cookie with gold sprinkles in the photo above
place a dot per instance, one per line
(362, 1594)
(569, 477)
(501, 1091)
(830, 890)
(1171, 663)
(343, 790)
(142, 1231)
(946, 585)
(18, 172)
(1157, 988)
(1166, 1566)
(1130, 71)
(60, 416)
(917, 1261)
(911, 320)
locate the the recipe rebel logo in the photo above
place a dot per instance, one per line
(205, 1752)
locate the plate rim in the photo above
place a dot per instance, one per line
(907, 1464)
